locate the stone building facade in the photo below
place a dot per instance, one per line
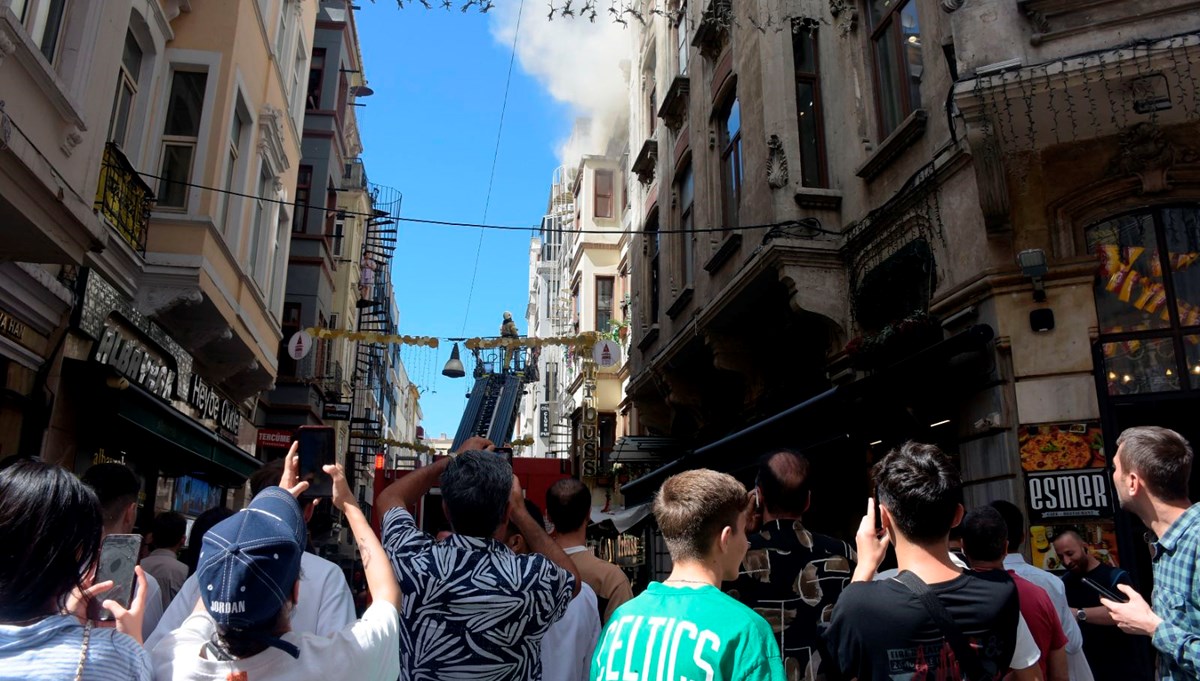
(841, 191)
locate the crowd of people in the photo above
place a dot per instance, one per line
(752, 593)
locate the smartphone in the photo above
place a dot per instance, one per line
(506, 452)
(316, 450)
(118, 557)
(1106, 592)
(878, 517)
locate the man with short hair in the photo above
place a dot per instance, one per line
(166, 539)
(686, 625)
(892, 629)
(1112, 654)
(117, 487)
(985, 542)
(1151, 471)
(569, 643)
(792, 576)
(472, 607)
(1014, 562)
(325, 605)
(250, 565)
(569, 505)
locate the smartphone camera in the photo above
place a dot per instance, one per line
(317, 450)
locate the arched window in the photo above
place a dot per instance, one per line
(1147, 294)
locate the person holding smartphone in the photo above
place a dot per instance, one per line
(249, 575)
(50, 534)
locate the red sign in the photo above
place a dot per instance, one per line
(274, 438)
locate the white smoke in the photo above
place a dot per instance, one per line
(578, 62)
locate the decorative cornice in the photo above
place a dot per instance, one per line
(646, 161)
(845, 15)
(270, 143)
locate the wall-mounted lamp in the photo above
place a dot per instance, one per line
(1033, 265)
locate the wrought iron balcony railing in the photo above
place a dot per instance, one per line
(123, 199)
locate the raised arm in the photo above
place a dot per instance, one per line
(536, 537)
(380, 578)
(407, 491)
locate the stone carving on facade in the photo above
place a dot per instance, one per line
(777, 163)
(1145, 151)
(7, 47)
(5, 127)
(71, 139)
(845, 15)
(271, 136)
(172, 8)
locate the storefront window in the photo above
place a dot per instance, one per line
(1149, 319)
(1141, 366)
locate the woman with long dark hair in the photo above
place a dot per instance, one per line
(50, 529)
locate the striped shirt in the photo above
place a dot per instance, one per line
(49, 651)
(1177, 598)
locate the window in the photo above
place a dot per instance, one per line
(577, 306)
(604, 193)
(180, 134)
(299, 69)
(1147, 294)
(808, 107)
(604, 303)
(127, 87)
(652, 251)
(687, 195)
(259, 228)
(316, 74)
(236, 130)
(284, 30)
(303, 196)
(652, 109)
(731, 161)
(44, 19)
(896, 50)
(338, 236)
(290, 325)
(682, 44)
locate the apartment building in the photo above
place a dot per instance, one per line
(912, 219)
(188, 161)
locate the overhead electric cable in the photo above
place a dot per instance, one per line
(808, 223)
(495, 156)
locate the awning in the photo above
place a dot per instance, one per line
(829, 417)
(622, 520)
(176, 443)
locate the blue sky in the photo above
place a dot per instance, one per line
(430, 131)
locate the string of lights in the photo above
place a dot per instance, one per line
(808, 224)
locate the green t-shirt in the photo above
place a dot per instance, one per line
(673, 634)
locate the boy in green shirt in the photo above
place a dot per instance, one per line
(685, 627)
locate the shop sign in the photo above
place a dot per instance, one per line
(135, 361)
(336, 411)
(1068, 494)
(210, 404)
(544, 420)
(274, 438)
(606, 354)
(1065, 473)
(588, 443)
(11, 327)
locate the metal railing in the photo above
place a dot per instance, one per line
(123, 199)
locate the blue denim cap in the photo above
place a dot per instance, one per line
(249, 562)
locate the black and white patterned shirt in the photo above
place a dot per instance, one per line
(472, 609)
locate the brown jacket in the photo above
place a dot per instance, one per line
(607, 580)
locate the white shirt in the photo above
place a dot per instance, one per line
(367, 649)
(569, 643)
(1077, 664)
(325, 606)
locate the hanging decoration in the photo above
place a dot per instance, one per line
(414, 446)
(582, 343)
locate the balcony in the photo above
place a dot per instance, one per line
(675, 104)
(123, 199)
(354, 176)
(647, 158)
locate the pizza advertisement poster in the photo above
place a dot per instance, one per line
(1061, 446)
(1065, 474)
(1100, 538)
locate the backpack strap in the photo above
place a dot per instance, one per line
(968, 659)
